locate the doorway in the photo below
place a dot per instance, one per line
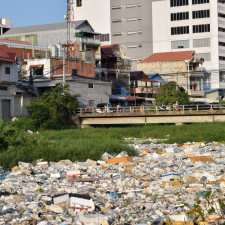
(6, 115)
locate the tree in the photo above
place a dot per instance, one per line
(58, 106)
(170, 93)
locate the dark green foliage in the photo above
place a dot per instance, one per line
(170, 93)
(58, 106)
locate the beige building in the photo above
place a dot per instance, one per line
(183, 67)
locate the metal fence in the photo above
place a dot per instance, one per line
(152, 108)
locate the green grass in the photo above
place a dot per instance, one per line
(82, 144)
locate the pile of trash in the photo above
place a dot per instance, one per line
(160, 185)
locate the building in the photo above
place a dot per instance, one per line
(45, 35)
(115, 66)
(98, 14)
(128, 22)
(143, 87)
(183, 67)
(39, 40)
(13, 100)
(5, 25)
(193, 25)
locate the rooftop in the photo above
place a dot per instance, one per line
(40, 28)
(6, 54)
(170, 56)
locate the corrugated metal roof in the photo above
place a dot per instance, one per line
(108, 49)
(40, 28)
(169, 56)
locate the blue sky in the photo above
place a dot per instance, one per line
(33, 12)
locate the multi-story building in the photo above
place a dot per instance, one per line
(128, 23)
(196, 25)
(5, 25)
(182, 67)
(13, 100)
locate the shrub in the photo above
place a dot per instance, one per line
(58, 106)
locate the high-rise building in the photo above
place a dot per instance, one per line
(193, 25)
(124, 22)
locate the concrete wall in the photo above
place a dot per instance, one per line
(98, 94)
(162, 67)
(13, 76)
(142, 39)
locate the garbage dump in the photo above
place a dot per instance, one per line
(162, 184)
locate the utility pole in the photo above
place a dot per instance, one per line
(64, 69)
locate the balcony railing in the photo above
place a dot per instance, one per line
(90, 41)
(197, 93)
(144, 90)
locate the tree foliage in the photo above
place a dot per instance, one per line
(170, 93)
(58, 106)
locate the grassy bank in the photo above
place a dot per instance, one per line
(81, 144)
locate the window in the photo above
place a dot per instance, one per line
(180, 44)
(3, 88)
(222, 15)
(132, 46)
(204, 42)
(200, 14)
(201, 28)
(131, 6)
(7, 70)
(174, 3)
(117, 21)
(179, 30)
(179, 16)
(116, 7)
(205, 56)
(131, 32)
(79, 3)
(104, 37)
(221, 1)
(222, 58)
(117, 34)
(131, 19)
(222, 44)
(220, 29)
(90, 85)
(195, 2)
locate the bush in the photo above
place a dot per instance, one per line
(58, 106)
(170, 93)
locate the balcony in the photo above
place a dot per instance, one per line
(90, 41)
(144, 90)
(197, 74)
(197, 93)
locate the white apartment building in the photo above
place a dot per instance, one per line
(97, 12)
(193, 25)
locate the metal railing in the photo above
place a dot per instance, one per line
(151, 108)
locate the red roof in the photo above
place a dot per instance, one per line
(108, 49)
(140, 75)
(169, 56)
(16, 42)
(6, 54)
